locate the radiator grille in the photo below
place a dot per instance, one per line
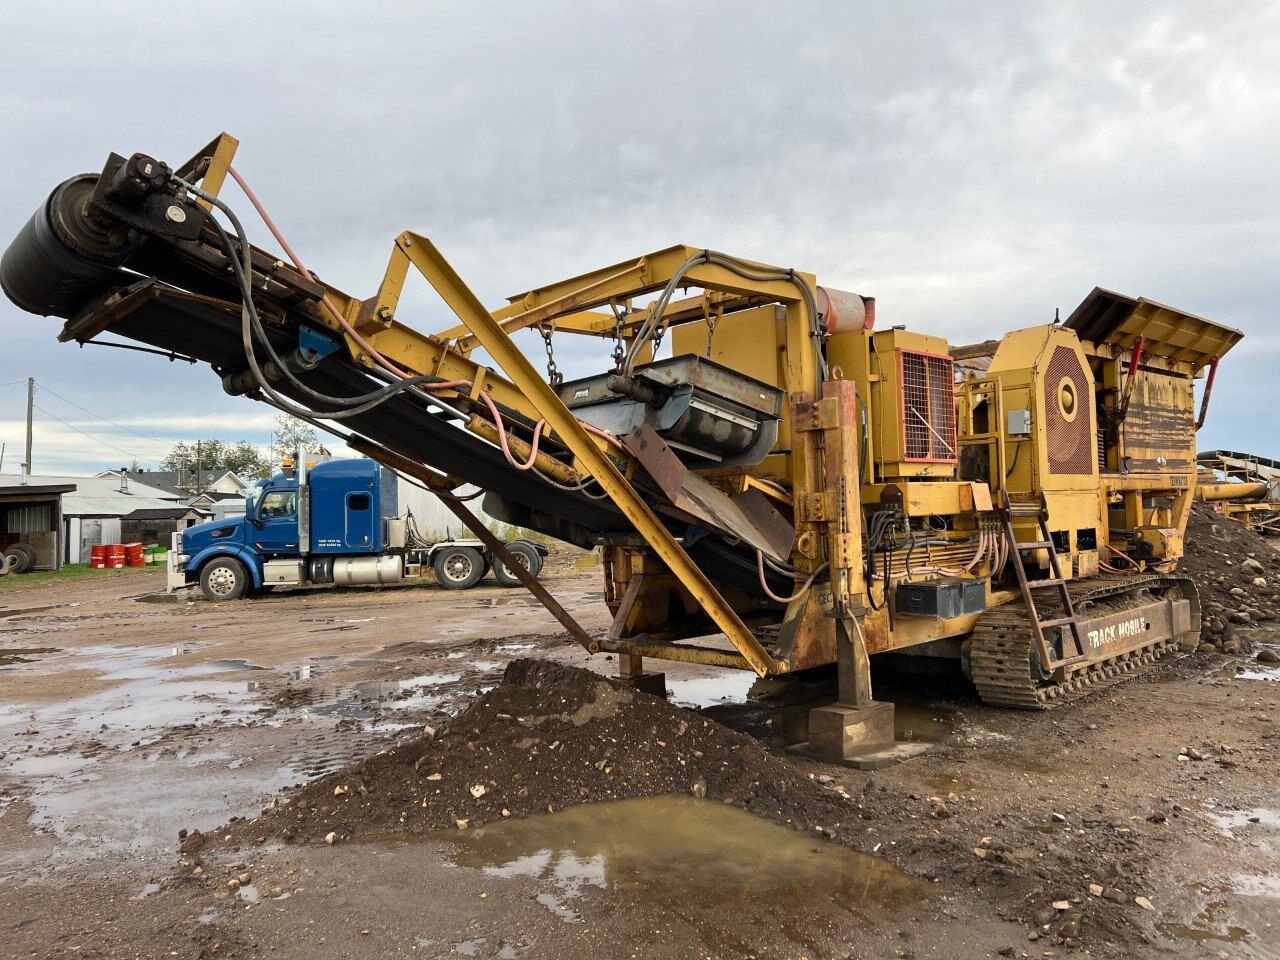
(928, 407)
(1072, 446)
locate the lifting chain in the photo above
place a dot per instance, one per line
(712, 317)
(657, 338)
(554, 376)
(619, 344)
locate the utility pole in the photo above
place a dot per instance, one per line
(198, 468)
(31, 399)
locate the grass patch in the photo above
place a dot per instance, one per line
(69, 572)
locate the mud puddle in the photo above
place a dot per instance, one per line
(691, 858)
(420, 692)
(1255, 670)
(1205, 927)
(1225, 911)
(727, 686)
(26, 611)
(949, 784)
(141, 694)
(1234, 823)
(12, 655)
(768, 709)
(49, 765)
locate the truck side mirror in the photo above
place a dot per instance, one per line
(251, 511)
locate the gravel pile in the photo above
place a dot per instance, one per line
(549, 736)
(1237, 572)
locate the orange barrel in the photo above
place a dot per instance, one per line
(115, 556)
(98, 557)
(134, 555)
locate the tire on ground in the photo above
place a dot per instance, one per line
(225, 578)
(526, 555)
(537, 555)
(22, 557)
(458, 568)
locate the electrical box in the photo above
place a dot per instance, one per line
(941, 599)
(1019, 423)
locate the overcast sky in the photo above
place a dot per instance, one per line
(973, 166)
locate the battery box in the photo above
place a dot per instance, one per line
(941, 599)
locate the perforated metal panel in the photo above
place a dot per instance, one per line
(928, 407)
(1072, 447)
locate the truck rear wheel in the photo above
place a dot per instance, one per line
(537, 557)
(458, 568)
(525, 555)
(224, 579)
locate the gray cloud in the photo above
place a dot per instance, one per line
(973, 166)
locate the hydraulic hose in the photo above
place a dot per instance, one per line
(741, 268)
(795, 596)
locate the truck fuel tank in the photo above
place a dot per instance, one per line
(357, 571)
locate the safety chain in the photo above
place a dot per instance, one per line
(554, 376)
(619, 345)
(712, 318)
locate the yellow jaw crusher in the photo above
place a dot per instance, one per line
(791, 487)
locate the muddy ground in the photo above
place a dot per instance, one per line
(328, 748)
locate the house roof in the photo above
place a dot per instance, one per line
(171, 513)
(97, 496)
(167, 480)
(45, 490)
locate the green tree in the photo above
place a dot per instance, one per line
(242, 458)
(291, 438)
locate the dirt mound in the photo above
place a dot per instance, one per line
(549, 736)
(1237, 572)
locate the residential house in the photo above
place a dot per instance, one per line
(183, 485)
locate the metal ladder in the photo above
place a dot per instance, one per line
(1049, 658)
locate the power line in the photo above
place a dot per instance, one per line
(99, 416)
(97, 439)
(14, 383)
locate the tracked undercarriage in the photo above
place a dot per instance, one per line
(1162, 616)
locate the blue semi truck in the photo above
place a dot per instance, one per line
(333, 523)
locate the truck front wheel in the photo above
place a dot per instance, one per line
(458, 568)
(224, 579)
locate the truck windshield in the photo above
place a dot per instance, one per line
(281, 503)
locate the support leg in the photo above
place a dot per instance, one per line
(631, 673)
(856, 731)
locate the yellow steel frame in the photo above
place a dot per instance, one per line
(489, 333)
